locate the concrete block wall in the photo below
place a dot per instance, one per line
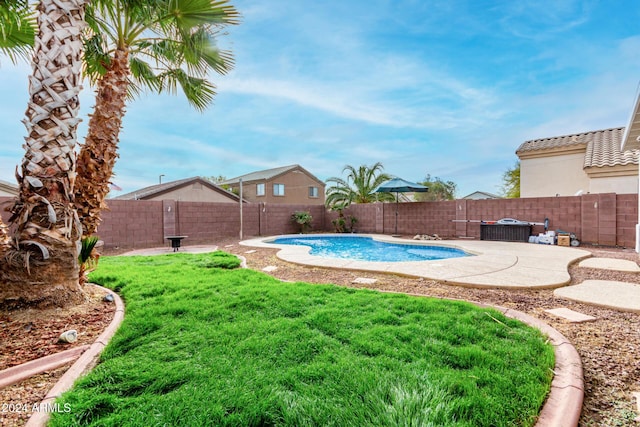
(564, 213)
(132, 224)
(626, 219)
(204, 222)
(369, 216)
(5, 202)
(605, 219)
(276, 219)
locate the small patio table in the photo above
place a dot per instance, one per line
(175, 241)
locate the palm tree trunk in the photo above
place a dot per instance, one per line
(100, 150)
(41, 266)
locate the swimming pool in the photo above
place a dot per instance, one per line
(362, 248)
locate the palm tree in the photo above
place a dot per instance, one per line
(17, 29)
(357, 187)
(41, 265)
(158, 45)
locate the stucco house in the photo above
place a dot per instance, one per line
(287, 184)
(194, 189)
(568, 165)
(481, 195)
(8, 189)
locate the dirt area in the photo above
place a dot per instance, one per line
(609, 346)
(30, 334)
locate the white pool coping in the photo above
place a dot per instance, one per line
(494, 264)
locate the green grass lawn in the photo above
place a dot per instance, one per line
(205, 346)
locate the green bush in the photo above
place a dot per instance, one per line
(303, 219)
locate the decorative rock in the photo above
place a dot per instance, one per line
(108, 298)
(426, 237)
(270, 268)
(364, 281)
(68, 336)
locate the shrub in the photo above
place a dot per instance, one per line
(303, 219)
(344, 224)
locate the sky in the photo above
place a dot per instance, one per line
(446, 88)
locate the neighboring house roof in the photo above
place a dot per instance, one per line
(478, 195)
(268, 174)
(8, 187)
(603, 147)
(159, 189)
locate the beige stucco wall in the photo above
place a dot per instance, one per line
(193, 193)
(618, 184)
(561, 175)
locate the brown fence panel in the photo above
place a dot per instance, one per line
(368, 216)
(276, 219)
(204, 222)
(5, 202)
(132, 224)
(626, 219)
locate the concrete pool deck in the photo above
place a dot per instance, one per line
(506, 265)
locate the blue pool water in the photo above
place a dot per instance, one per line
(367, 249)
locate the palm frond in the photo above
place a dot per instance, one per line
(188, 14)
(144, 74)
(87, 245)
(199, 92)
(96, 58)
(17, 29)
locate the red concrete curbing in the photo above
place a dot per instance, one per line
(86, 361)
(15, 374)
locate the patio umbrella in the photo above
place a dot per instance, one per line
(399, 185)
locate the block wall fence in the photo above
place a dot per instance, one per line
(602, 219)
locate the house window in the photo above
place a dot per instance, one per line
(278, 189)
(260, 189)
(313, 192)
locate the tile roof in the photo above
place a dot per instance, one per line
(259, 175)
(605, 150)
(603, 147)
(482, 195)
(267, 174)
(152, 190)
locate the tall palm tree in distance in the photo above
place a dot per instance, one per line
(138, 45)
(41, 265)
(357, 187)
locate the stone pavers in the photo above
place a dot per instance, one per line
(617, 295)
(611, 264)
(570, 315)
